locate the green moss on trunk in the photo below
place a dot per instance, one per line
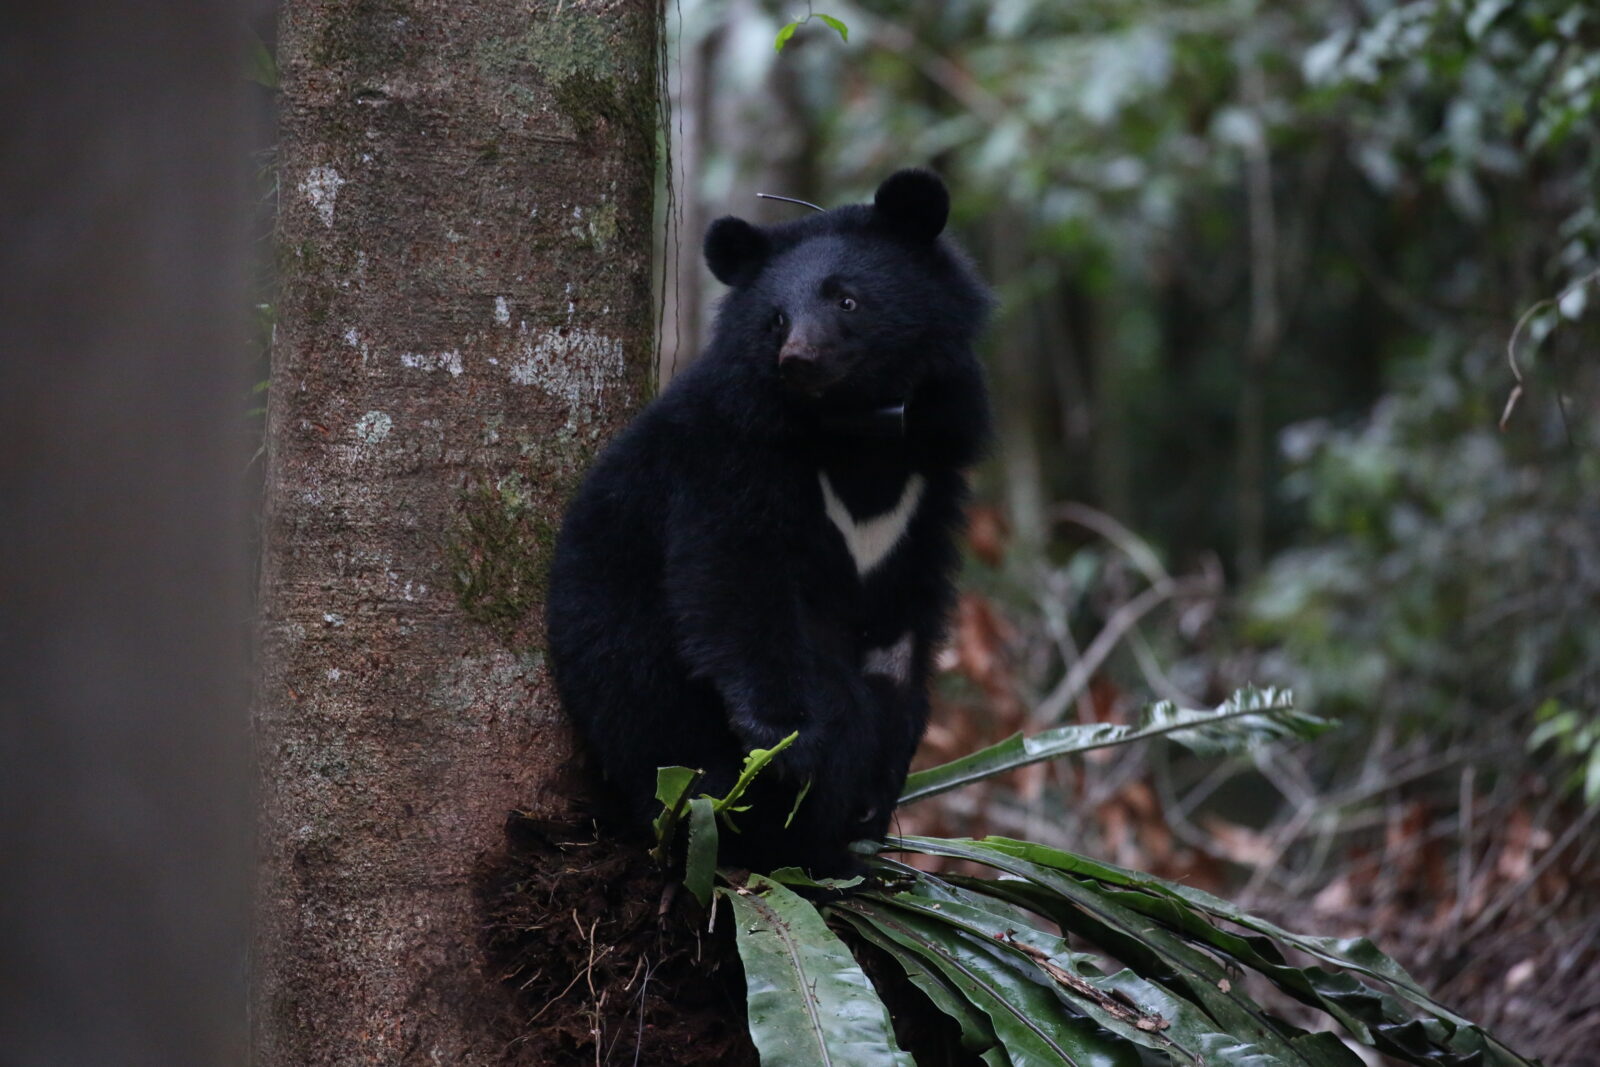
(498, 554)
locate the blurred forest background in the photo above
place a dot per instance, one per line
(1296, 379)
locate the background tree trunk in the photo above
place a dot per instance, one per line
(123, 577)
(464, 258)
(1016, 373)
(687, 303)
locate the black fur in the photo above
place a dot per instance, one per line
(701, 601)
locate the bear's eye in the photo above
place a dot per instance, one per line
(779, 320)
(848, 303)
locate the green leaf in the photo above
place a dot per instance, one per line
(672, 790)
(1057, 970)
(784, 35)
(672, 783)
(1249, 717)
(1123, 1003)
(1556, 725)
(753, 763)
(1153, 925)
(1157, 955)
(263, 66)
(844, 31)
(795, 876)
(1358, 954)
(798, 800)
(977, 1036)
(809, 1002)
(1024, 1013)
(700, 860)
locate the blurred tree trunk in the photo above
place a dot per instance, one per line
(465, 317)
(1018, 389)
(1112, 389)
(123, 574)
(1265, 263)
(684, 283)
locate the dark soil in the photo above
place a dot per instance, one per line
(595, 945)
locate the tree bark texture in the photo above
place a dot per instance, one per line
(124, 619)
(464, 318)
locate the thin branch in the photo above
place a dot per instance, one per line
(1055, 610)
(1464, 843)
(1511, 345)
(1121, 621)
(1138, 551)
(1154, 676)
(1515, 892)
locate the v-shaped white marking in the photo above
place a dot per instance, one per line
(871, 540)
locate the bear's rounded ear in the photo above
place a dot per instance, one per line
(913, 203)
(735, 250)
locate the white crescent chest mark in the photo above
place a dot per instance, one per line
(871, 540)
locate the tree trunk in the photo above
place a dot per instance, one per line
(1250, 471)
(123, 574)
(465, 317)
(1015, 369)
(684, 268)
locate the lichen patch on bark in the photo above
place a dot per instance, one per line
(320, 187)
(597, 228)
(583, 368)
(373, 427)
(446, 361)
(500, 681)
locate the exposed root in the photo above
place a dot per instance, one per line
(605, 964)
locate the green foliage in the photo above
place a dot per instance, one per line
(1448, 572)
(809, 1001)
(1249, 718)
(754, 763)
(990, 945)
(672, 791)
(700, 859)
(1577, 738)
(673, 786)
(263, 65)
(992, 953)
(788, 29)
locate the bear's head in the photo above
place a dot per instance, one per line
(857, 304)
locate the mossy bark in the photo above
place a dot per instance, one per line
(465, 317)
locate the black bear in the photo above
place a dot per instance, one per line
(768, 548)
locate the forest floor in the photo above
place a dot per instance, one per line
(605, 959)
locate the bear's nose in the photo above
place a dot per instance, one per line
(798, 347)
(800, 344)
(801, 369)
(800, 361)
(793, 355)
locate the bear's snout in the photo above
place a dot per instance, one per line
(802, 364)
